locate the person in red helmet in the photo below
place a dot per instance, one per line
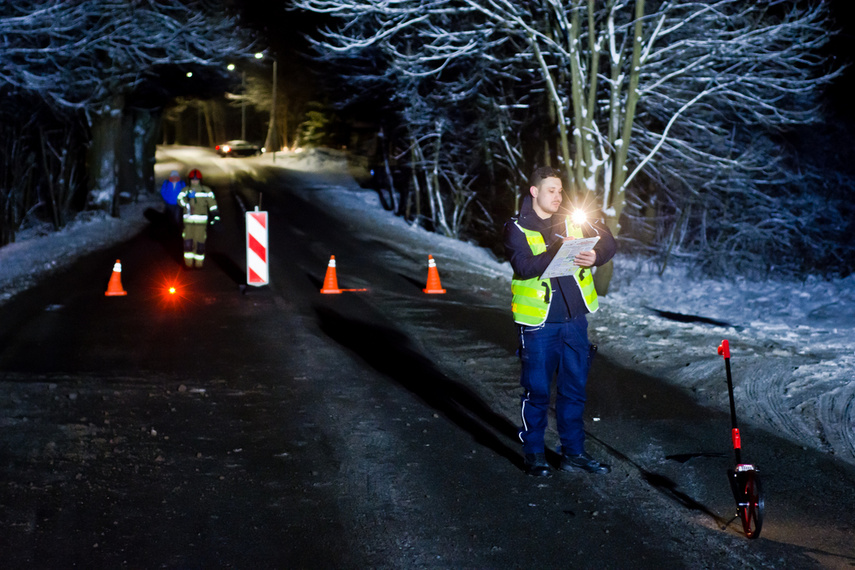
(198, 203)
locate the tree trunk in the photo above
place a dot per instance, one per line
(271, 142)
(603, 277)
(150, 122)
(139, 144)
(619, 176)
(103, 156)
(49, 177)
(209, 126)
(618, 192)
(416, 190)
(388, 171)
(556, 101)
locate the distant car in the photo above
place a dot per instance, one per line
(238, 148)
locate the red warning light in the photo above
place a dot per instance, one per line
(171, 290)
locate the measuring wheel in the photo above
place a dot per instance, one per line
(744, 479)
(748, 493)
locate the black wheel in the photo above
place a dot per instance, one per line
(748, 492)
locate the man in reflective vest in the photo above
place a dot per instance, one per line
(197, 202)
(550, 314)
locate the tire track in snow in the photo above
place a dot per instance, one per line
(837, 418)
(762, 388)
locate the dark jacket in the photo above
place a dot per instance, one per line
(527, 265)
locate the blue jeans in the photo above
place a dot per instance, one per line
(545, 350)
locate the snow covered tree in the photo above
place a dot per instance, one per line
(442, 98)
(110, 60)
(646, 104)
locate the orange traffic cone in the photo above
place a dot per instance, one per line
(331, 281)
(114, 287)
(433, 284)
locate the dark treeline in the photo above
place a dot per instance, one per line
(84, 84)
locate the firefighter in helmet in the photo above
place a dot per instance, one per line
(198, 204)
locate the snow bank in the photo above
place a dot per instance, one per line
(792, 346)
(38, 252)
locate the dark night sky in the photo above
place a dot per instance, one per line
(843, 47)
(278, 28)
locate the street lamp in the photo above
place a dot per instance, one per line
(231, 67)
(189, 75)
(271, 130)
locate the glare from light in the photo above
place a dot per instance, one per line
(579, 217)
(172, 290)
(259, 55)
(230, 67)
(189, 74)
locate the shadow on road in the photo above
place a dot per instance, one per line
(228, 266)
(162, 231)
(665, 485)
(390, 352)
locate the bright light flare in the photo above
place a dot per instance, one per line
(172, 291)
(579, 217)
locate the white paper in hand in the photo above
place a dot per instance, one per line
(562, 264)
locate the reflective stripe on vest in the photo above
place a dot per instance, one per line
(530, 303)
(197, 200)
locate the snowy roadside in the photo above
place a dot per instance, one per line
(37, 254)
(792, 343)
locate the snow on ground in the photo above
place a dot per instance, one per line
(38, 253)
(792, 343)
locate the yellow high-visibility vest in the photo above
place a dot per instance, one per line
(197, 204)
(532, 297)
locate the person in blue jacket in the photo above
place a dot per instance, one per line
(550, 315)
(169, 191)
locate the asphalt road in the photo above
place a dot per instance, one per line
(281, 428)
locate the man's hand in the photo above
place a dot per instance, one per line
(586, 258)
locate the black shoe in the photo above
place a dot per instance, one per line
(584, 462)
(536, 465)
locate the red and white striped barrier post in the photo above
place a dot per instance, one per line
(256, 249)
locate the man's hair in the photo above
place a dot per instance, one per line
(540, 174)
